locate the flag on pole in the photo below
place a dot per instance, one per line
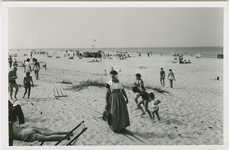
(94, 40)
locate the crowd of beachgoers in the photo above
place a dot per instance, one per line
(123, 95)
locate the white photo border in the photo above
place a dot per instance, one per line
(4, 55)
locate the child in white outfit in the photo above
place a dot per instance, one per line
(155, 104)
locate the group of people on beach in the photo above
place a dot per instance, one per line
(27, 81)
(30, 133)
(171, 77)
(117, 100)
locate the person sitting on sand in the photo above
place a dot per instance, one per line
(12, 82)
(28, 82)
(145, 100)
(31, 134)
(155, 105)
(139, 82)
(15, 112)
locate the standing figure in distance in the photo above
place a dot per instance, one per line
(171, 77)
(12, 82)
(28, 82)
(162, 77)
(10, 60)
(36, 68)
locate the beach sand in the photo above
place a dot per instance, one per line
(191, 113)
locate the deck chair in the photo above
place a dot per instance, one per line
(71, 141)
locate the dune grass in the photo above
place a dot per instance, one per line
(90, 82)
(86, 83)
(158, 89)
(65, 82)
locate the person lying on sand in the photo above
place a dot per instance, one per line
(145, 100)
(31, 134)
(155, 105)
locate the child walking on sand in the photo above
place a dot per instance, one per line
(27, 83)
(155, 104)
(145, 100)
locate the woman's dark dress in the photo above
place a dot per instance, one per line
(117, 107)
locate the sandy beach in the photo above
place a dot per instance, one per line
(191, 113)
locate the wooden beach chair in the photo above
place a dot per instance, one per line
(59, 92)
(68, 143)
(74, 138)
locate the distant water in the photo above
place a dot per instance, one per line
(205, 51)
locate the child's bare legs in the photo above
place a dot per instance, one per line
(29, 89)
(146, 108)
(155, 111)
(25, 92)
(11, 92)
(157, 114)
(171, 83)
(139, 107)
(136, 101)
(15, 94)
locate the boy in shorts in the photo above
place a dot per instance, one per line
(145, 100)
(28, 82)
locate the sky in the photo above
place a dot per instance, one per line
(114, 27)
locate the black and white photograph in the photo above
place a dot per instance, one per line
(114, 74)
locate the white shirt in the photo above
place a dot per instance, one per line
(27, 66)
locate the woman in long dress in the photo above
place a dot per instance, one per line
(116, 104)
